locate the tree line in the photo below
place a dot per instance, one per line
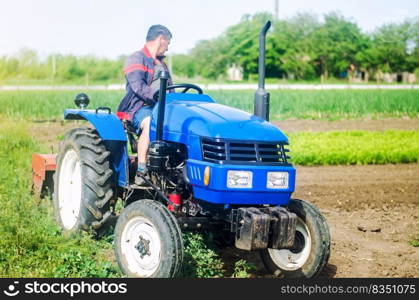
(26, 64)
(301, 47)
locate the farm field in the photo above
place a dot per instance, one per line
(372, 210)
(286, 104)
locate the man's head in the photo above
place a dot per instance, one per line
(158, 36)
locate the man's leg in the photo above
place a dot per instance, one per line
(144, 141)
(142, 148)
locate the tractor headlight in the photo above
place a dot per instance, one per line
(239, 179)
(277, 180)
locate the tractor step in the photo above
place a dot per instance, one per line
(139, 187)
(43, 168)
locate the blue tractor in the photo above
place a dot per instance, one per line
(210, 167)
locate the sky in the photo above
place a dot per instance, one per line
(109, 28)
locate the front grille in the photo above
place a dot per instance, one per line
(244, 152)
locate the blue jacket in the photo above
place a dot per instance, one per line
(139, 72)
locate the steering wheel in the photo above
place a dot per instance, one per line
(186, 87)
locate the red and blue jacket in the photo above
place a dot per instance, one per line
(139, 72)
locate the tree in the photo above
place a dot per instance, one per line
(183, 65)
(293, 45)
(337, 42)
(242, 43)
(210, 57)
(395, 45)
(237, 45)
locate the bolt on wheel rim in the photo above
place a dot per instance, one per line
(69, 189)
(141, 246)
(290, 259)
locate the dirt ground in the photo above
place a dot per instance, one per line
(48, 132)
(372, 211)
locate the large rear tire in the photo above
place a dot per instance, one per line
(82, 182)
(148, 241)
(311, 249)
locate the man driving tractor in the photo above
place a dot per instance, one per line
(142, 71)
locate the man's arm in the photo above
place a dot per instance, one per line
(135, 74)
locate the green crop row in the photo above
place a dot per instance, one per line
(328, 104)
(354, 147)
(284, 104)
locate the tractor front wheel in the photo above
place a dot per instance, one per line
(311, 248)
(148, 241)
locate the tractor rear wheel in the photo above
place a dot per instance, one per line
(82, 182)
(311, 248)
(148, 241)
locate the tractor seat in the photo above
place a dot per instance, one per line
(129, 129)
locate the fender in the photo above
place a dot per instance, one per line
(107, 124)
(111, 131)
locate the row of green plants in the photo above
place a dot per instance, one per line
(354, 147)
(284, 104)
(328, 104)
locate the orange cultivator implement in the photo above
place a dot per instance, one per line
(43, 168)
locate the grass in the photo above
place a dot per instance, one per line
(31, 244)
(47, 105)
(19, 81)
(414, 242)
(242, 268)
(284, 104)
(354, 147)
(201, 260)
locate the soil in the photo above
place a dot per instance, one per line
(47, 133)
(372, 211)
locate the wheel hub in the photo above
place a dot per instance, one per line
(294, 258)
(143, 247)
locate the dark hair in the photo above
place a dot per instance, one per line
(156, 30)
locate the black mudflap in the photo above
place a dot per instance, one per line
(261, 228)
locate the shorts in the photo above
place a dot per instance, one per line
(139, 116)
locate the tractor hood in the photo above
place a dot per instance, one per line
(199, 115)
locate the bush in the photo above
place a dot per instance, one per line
(200, 260)
(241, 269)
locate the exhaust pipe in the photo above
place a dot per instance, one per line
(261, 95)
(164, 77)
(159, 150)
